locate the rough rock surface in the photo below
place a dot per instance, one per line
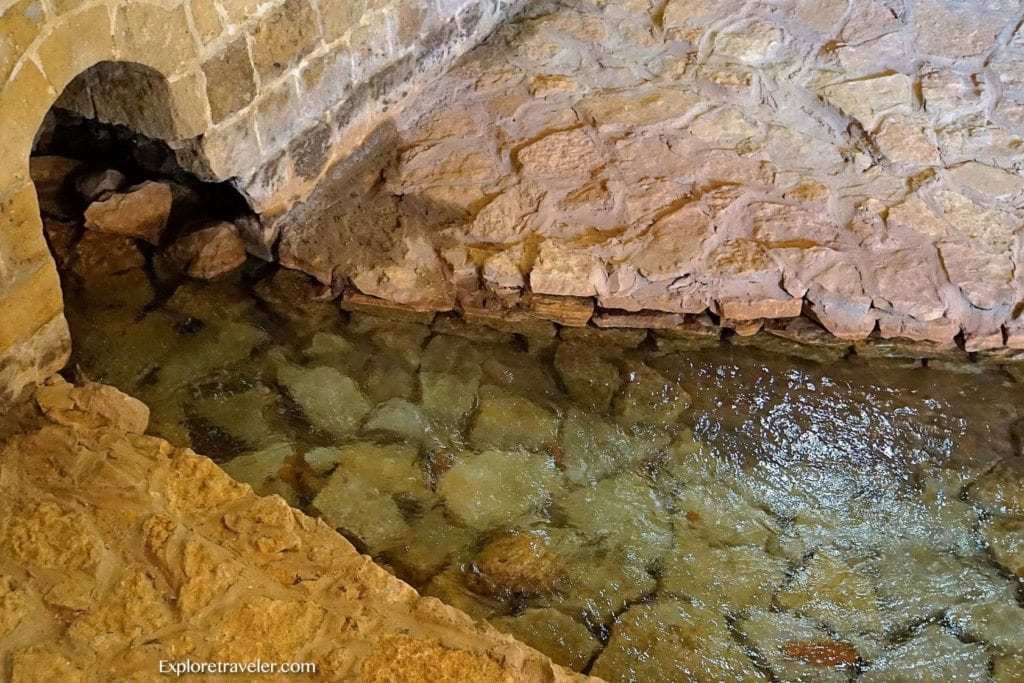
(141, 211)
(210, 252)
(858, 162)
(120, 551)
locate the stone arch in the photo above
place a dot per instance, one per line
(49, 46)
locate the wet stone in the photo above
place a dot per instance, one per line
(590, 378)
(931, 655)
(917, 583)
(363, 495)
(518, 563)
(624, 512)
(330, 400)
(563, 639)
(505, 421)
(433, 542)
(496, 488)
(649, 398)
(592, 448)
(694, 570)
(262, 469)
(680, 642)
(450, 587)
(797, 649)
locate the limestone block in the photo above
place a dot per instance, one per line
(22, 247)
(24, 101)
(343, 18)
(29, 303)
(239, 11)
(326, 79)
(865, 100)
(226, 151)
(230, 80)
(279, 115)
(283, 37)
(371, 45)
(64, 55)
(92, 406)
(206, 19)
(949, 29)
(496, 488)
(20, 23)
(33, 359)
(156, 35)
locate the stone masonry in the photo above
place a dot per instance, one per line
(263, 93)
(855, 162)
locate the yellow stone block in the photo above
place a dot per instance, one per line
(24, 102)
(190, 109)
(34, 301)
(19, 25)
(206, 19)
(157, 36)
(22, 245)
(79, 41)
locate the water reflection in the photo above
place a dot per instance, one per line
(711, 515)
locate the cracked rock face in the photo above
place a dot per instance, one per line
(858, 162)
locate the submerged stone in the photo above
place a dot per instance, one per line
(432, 544)
(593, 448)
(931, 655)
(504, 421)
(649, 398)
(722, 516)
(330, 400)
(836, 591)
(495, 488)
(916, 583)
(245, 416)
(1000, 623)
(623, 511)
(732, 578)
(518, 563)
(670, 640)
(598, 581)
(363, 494)
(451, 588)
(591, 379)
(562, 638)
(1005, 538)
(263, 470)
(796, 649)
(404, 420)
(447, 396)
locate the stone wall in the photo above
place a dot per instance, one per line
(856, 163)
(265, 93)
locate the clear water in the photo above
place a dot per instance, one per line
(641, 515)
